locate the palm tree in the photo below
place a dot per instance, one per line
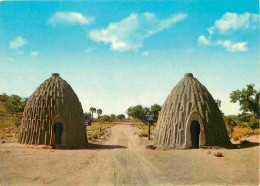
(99, 112)
(92, 110)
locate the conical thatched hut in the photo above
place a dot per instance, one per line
(190, 118)
(53, 116)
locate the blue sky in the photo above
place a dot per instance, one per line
(117, 54)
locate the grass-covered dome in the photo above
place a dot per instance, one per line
(53, 116)
(190, 118)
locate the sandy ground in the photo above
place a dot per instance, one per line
(124, 160)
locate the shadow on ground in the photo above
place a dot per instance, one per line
(247, 145)
(99, 146)
(244, 145)
(91, 146)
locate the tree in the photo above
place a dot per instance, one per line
(15, 104)
(99, 112)
(137, 112)
(248, 99)
(121, 117)
(4, 97)
(113, 117)
(87, 116)
(218, 102)
(230, 120)
(92, 110)
(105, 118)
(155, 109)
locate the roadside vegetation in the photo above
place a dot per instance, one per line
(244, 124)
(11, 108)
(238, 126)
(94, 132)
(143, 129)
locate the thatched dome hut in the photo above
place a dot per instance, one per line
(53, 116)
(190, 118)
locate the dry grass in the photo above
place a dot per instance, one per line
(239, 132)
(143, 129)
(9, 132)
(8, 127)
(9, 124)
(93, 131)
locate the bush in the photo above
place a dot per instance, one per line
(105, 118)
(239, 132)
(254, 125)
(230, 120)
(95, 136)
(143, 133)
(243, 124)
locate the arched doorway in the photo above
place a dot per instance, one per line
(58, 129)
(195, 133)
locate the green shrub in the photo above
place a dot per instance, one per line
(244, 124)
(95, 136)
(254, 125)
(230, 120)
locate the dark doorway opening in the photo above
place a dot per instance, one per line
(195, 134)
(58, 129)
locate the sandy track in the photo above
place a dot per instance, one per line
(123, 160)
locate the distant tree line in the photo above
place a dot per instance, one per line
(248, 99)
(137, 112)
(13, 104)
(103, 118)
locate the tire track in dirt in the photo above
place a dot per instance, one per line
(130, 166)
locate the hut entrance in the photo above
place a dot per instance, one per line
(58, 129)
(195, 133)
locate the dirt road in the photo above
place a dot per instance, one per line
(123, 160)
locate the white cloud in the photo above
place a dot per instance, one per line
(202, 40)
(167, 23)
(129, 33)
(233, 21)
(17, 43)
(230, 22)
(145, 53)
(233, 47)
(211, 30)
(34, 53)
(90, 49)
(149, 15)
(121, 35)
(69, 18)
